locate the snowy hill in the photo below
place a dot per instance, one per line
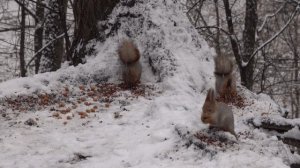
(81, 116)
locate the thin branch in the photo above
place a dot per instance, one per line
(14, 44)
(8, 53)
(233, 4)
(14, 28)
(277, 83)
(221, 29)
(214, 27)
(27, 10)
(234, 43)
(45, 6)
(244, 64)
(217, 40)
(269, 16)
(194, 6)
(44, 47)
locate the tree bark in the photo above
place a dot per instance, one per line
(217, 40)
(22, 41)
(53, 54)
(38, 34)
(249, 43)
(63, 22)
(87, 13)
(244, 54)
(234, 43)
(296, 67)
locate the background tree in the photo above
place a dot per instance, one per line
(262, 42)
(87, 13)
(280, 59)
(38, 34)
(54, 32)
(22, 41)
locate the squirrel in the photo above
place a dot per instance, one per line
(223, 72)
(217, 114)
(131, 67)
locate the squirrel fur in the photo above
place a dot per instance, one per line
(223, 73)
(131, 67)
(217, 114)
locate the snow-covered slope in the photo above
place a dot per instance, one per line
(151, 128)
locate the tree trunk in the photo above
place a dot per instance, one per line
(22, 41)
(296, 67)
(63, 22)
(246, 72)
(217, 40)
(87, 13)
(38, 34)
(249, 43)
(234, 43)
(53, 53)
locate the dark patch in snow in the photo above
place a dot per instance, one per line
(129, 3)
(290, 141)
(99, 77)
(117, 115)
(210, 142)
(161, 60)
(26, 86)
(136, 19)
(78, 157)
(269, 124)
(30, 122)
(45, 82)
(295, 165)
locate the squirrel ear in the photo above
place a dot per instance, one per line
(228, 83)
(210, 95)
(207, 96)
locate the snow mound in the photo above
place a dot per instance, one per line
(160, 129)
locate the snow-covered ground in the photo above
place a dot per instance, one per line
(153, 126)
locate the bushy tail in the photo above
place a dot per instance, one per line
(225, 83)
(223, 66)
(128, 52)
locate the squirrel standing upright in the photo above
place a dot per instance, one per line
(129, 56)
(223, 74)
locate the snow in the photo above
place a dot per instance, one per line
(156, 130)
(293, 133)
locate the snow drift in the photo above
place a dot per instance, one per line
(159, 130)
